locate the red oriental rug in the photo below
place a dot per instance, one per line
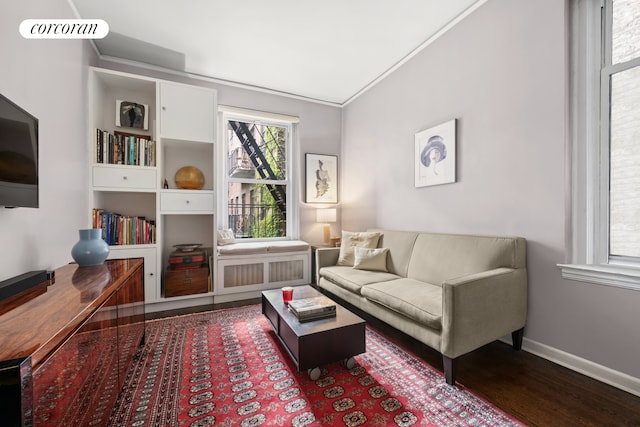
(227, 368)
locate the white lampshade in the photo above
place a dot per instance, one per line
(326, 215)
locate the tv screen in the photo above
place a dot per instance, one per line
(18, 156)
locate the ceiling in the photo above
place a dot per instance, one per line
(328, 50)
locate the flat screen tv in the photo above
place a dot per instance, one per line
(18, 156)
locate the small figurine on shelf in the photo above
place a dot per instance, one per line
(165, 185)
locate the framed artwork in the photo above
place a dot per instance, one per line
(435, 155)
(321, 178)
(132, 114)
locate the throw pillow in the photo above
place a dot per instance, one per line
(370, 259)
(226, 237)
(364, 239)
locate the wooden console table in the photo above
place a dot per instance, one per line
(65, 352)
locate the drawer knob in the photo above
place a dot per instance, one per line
(188, 202)
(124, 177)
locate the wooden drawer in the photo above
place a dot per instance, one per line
(186, 282)
(186, 201)
(131, 178)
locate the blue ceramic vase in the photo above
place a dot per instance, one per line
(90, 249)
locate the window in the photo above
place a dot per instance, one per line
(606, 143)
(260, 200)
(622, 72)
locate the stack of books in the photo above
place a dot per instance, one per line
(307, 309)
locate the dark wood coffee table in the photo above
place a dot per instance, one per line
(319, 342)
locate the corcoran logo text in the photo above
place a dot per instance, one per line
(64, 28)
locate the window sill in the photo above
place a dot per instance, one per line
(609, 275)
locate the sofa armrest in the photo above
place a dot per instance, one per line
(325, 257)
(481, 308)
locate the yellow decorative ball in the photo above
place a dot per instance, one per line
(189, 178)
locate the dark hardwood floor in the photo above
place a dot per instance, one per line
(529, 388)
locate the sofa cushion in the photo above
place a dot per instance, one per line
(249, 248)
(353, 279)
(439, 257)
(370, 259)
(364, 239)
(417, 300)
(400, 244)
(242, 248)
(288, 246)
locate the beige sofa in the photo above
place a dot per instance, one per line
(454, 293)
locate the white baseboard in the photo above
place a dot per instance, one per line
(601, 373)
(237, 296)
(175, 303)
(189, 301)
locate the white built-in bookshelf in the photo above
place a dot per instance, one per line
(129, 165)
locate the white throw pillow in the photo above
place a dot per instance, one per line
(370, 259)
(226, 237)
(364, 239)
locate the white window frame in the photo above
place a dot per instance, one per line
(293, 207)
(588, 190)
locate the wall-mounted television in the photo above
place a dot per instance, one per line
(18, 156)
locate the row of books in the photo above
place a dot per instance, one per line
(307, 309)
(121, 148)
(124, 229)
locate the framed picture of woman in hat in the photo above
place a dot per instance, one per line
(435, 155)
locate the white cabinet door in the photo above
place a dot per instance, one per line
(187, 112)
(151, 280)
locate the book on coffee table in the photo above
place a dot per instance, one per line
(312, 308)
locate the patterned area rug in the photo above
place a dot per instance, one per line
(228, 368)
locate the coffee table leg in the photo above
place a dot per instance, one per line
(314, 373)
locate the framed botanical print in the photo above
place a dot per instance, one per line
(321, 178)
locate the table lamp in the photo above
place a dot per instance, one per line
(326, 216)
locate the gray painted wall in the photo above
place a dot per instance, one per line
(48, 78)
(502, 73)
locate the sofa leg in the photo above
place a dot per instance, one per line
(450, 369)
(516, 337)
